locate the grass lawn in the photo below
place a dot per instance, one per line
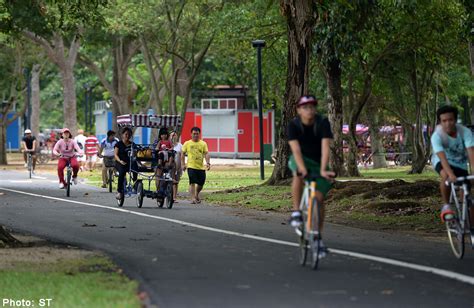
(241, 186)
(85, 282)
(219, 178)
(397, 173)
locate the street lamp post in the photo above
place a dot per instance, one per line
(27, 117)
(259, 44)
(86, 106)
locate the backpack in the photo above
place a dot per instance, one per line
(316, 125)
(444, 136)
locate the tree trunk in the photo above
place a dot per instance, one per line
(471, 56)
(156, 99)
(378, 151)
(69, 92)
(35, 99)
(352, 169)
(120, 79)
(335, 115)
(3, 142)
(65, 60)
(419, 149)
(300, 16)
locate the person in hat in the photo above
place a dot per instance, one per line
(67, 149)
(309, 137)
(29, 145)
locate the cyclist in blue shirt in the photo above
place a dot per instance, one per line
(453, 146)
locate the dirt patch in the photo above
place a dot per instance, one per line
(392, 190)
(394, 205)
(38, 251)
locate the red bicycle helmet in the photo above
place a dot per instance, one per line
(307, 99)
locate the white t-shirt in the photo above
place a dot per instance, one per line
(81, 141)
(456, 151)
(109, 147)
(178, 148)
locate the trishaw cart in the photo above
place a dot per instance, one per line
(146, 157)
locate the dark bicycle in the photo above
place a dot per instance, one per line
(109, 163)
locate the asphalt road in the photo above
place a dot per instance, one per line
(214, 256)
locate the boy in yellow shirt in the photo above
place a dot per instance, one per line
(196, 150)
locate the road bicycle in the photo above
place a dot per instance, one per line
(309, 233)
(29, 163)
(459, 227)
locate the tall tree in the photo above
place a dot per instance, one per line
(13, 85)
(57, 27)
(301, 18)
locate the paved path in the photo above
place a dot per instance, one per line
(209, 256)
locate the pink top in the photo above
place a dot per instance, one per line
(66, 149)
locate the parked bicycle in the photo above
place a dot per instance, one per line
(309, 233)
(459, 227)
(44, 155)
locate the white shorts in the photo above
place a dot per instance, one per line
(91, 158)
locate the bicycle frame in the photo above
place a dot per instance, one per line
(461, 208)
(307, 197)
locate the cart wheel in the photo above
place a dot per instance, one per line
(140, 194)
(160, 202)
(168, 200)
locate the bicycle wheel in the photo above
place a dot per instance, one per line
(456, 237)
(140, 194)
(168, 200)
(121, 200)
(315, 236)
(303, 244)
(456, 234)
(68, 182)
(469, 224)
(160, 200)
(42, 158)
(110, 178)
(30, 165)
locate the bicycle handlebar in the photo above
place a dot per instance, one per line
(460, 180)
(311, 176)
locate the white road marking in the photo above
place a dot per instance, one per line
(20, 181)
(422, 268)
(39, 177)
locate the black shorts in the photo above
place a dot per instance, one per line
(196, 176)
(458, 172)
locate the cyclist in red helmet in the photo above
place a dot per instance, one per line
(309, 137)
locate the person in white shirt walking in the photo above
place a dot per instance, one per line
(80, 139)
(178, 148)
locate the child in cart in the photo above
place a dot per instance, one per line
(165, 158)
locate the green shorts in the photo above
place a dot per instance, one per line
(322, 185)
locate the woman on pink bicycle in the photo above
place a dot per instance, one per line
(65, 148)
